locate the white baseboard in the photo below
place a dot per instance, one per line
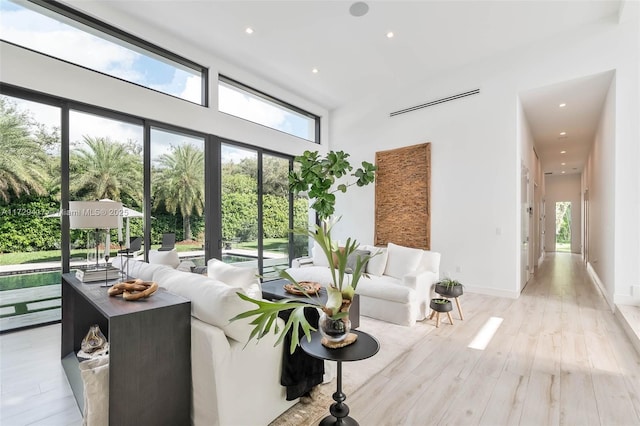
(492, 292)
(598, 282)
(621, 299)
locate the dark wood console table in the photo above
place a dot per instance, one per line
(149, 351)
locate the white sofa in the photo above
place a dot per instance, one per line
(231, 384)
(398, 286)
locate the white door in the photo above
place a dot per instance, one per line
(525, 211)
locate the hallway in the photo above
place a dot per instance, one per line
(559, 357)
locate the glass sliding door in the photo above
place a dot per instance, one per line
(239, 171)
(30, 231)
(105, 164)
(178, 194)
(275, 214)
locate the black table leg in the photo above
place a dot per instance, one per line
(339, 410)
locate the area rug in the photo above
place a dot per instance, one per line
(394, 340)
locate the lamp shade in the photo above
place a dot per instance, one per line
(94, 214)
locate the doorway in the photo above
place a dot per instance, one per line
(563, 226)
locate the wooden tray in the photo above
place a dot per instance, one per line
(310, 287)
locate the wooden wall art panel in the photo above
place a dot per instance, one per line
(402, 199)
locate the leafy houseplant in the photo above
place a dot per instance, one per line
(340, 293)
(317, 175)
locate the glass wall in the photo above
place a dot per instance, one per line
(239, 170)
(275, 214)
(178, 193)
(30, 231)
(105, 164)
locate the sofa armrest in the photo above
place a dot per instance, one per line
(421, 282)
(301, 262)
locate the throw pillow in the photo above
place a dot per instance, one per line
(353, 259)
(402, 260)
(169, 258)
(235, 276)
(318, 256)
(377, 263)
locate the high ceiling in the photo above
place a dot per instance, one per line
(353, 55)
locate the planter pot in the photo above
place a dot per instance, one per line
(441, 305)
(449, 291)
(334, 331)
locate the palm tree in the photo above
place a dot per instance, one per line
(106, 169)
(23, 161)
(179, 183)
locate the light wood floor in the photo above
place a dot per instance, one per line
(559, 357)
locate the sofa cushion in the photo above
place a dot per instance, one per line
(378, 262)
(319, 274)
(386, 288)
(402, 260)
(352, 260)
(318, 256)
(169, 258)
(235, 276)
(212, 301)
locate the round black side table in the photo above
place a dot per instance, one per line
(365, 347)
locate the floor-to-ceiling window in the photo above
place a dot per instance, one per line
(178, 192)
(30, 255)
(239, 200)
(105, 164)
(563, 226)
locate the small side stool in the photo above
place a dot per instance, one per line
(440, 305)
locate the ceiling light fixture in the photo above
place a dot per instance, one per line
(563, 164)
(315, 70)
(563, 133)
(563, 172)
(563, 152)
(390, 34)
(358, 9)
(562, 105)
(248, 30)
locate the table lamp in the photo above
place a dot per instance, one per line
(94, 215)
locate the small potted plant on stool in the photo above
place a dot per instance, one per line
(438, 305)
(450, 288)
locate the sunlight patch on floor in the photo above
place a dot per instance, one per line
(486, 333)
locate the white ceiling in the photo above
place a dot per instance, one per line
(353, 55)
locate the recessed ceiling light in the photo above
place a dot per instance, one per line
(563, 152)
(563, 133)
(562, 105)
(390, 34)
(563, 164)
(248, 30)
(563, 172)
(315, 70)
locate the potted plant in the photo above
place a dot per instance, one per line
(317, 176)
(334, 317)
(449, 287)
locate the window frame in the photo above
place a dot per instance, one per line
(137, 44)
(279, 102)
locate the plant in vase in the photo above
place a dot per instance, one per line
(334, 317)
(317, 176)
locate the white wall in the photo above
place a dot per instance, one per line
(476, 153)
(563, 188)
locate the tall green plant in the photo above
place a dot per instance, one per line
(318, 175)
